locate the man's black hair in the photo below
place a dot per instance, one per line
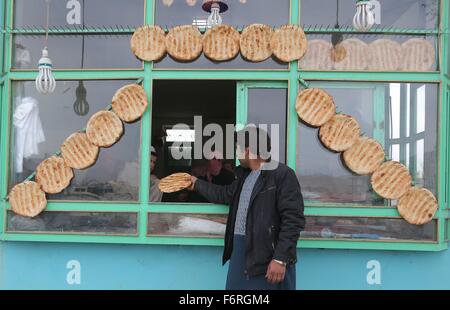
(261, 148)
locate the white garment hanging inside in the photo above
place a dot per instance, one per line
(28, 131)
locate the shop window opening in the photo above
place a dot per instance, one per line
(177, 102)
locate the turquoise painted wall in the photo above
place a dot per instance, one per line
(44, 266)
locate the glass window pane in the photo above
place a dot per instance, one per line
(117, 223)
(115, 176)
(324, 177)
(203, 63)
(407, 155)
(447, 230)
(321, 55)
(239, 13)
(360, 228)
(420, 159)
(408, 110)
(424, 157)
(187, 225)
(75, 52)
(72, 13)
(355, 228)
(394, 95)
(267, 106)
(397, 14)
(395, 152)
(421, 112)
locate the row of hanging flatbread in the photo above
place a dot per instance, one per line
(256, 43)
(79, 151)
(380, 55)
(341, 133)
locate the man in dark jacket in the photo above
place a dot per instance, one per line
(265, 217)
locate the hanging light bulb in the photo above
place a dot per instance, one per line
(337, 36)
(338, 52)
(215, 7)
(215, 18)
(81, 106)
(45, 82)
(364, 18)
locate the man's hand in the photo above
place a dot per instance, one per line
(193, 180)
(275, 272)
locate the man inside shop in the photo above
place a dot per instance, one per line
(214, 173)
(155, 193)
(265, 217)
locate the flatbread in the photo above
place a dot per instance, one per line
(386, 55)
(391, 180)
(357, 55)
(104, 128)
(27, 199)
(417, 55)
(184, 43)
(340, 133)
(78, 152)
(338, 53)
(417, 206)
(130, 102)
(315, 106)
(221, 43)
(289, 43)
(149, 43)
(318, 56)
(53, 175)
(255, 42)
(175, 182)
(365, 156)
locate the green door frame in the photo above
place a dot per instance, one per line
(2, 44)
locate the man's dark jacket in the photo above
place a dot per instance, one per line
(274, 219)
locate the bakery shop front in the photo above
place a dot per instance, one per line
(91, 102)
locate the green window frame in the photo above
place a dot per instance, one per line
(246, 79)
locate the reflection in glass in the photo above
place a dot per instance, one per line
(415, 141)
(69, 13)
(356, 53)
(181, 224)
(118, 223)
(204, 63)
(355, 228)
(267, 106)
(101, 51)
(239, 14)
(107, 51)
(323, 175)
(42, 123)
(382, 229)
(396, 14)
